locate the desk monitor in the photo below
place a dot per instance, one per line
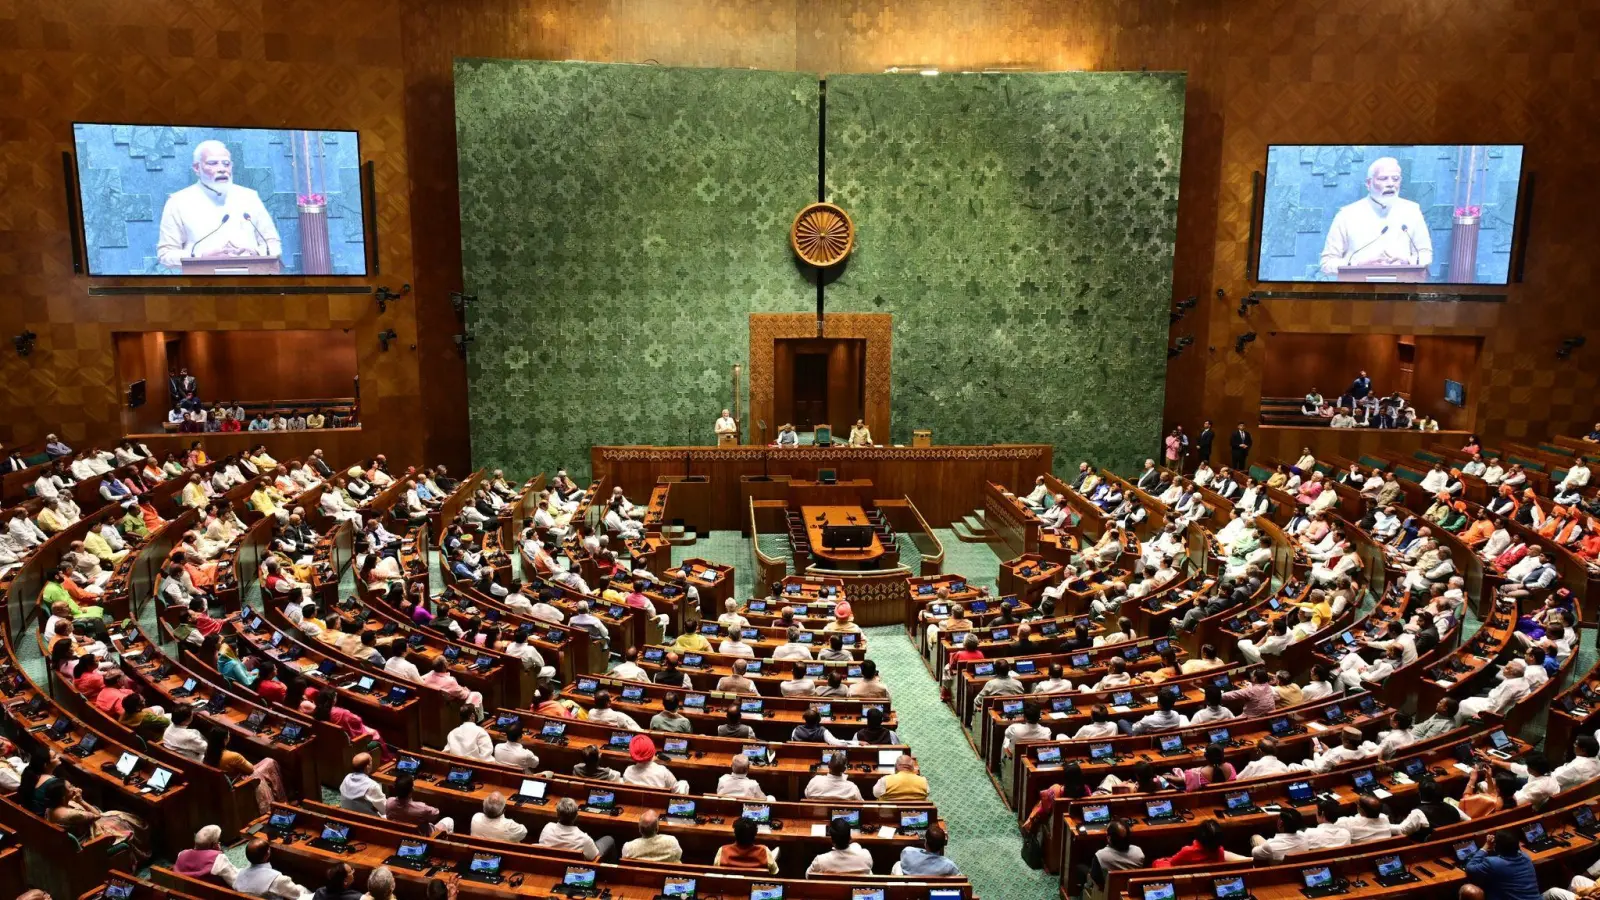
(1317, 876)
(1080, 660)
(815, 669)
(654, 654)
(849, 639)
(1100, 751)
(578, 877)
(675, 745)
(1025, 667)
(759, 813)
(116, 889)
(280, 821)
(1229, 888)
(764, 891)
(365, 682)
(888, 758)
(398, 695)
(978, 606)
(957, 587)
(866, 894)
(693, 660)
(1533, 833)
(680, 809)
(1464, 849)
(944, 894)
(602, 799)
(1000, 634)
(1122, 698)
(1011, 708)
(1171, 742)
(808, 637)
(852, 670)
(1048, 755)
(1498, 738)
(1158, 809)
(587, 685)
(1280, 727)
(1159, 890)
(677, 886)
(1237, 800)
(853, 816)
(1061, 704)
(459, 778)
(1583, 817)
(824, 710)
(750, 706)
(1218, 736)
(694, 701)
(159, 780)
(531, 789)
(126, 764)
(335, 833)
(484, 864)
(755, 752)
(452, 653)
(410, 849)
(507, 721)
(1098, 814)
(709, 628)
(553, 729)
(1300, 792)
(923, 589)
(620, 740)
(1390, 866)
(914, 821)
(1364, 779)
(1333, 712)
(189, 684)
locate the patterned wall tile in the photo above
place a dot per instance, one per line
(619, 225)
(1020, 229)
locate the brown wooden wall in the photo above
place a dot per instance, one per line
(1260, 72)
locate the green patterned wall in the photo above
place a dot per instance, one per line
(619, 223)
(1020, 228)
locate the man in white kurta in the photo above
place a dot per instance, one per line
(1381, 228)
(214, 217)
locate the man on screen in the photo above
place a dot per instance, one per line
(214, 217)
(1380, 229)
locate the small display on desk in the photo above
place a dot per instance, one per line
(852, 670)
(866, 894)
(849, 639)
(1011, 708)
(602, 799)
(756, 753)
(616, 611)
(1229, 888)
(633, 693)
(277, 638)
(983, 669)
(824, 710)
(1499, 739)
(916, 820)
(619, 740)
(1159, 890)
(763, 891)
(1464, 849)
(506, 721)
(578, 877)
(1080, 660)
(808, 637)
(654, 654)
(815, 669)
(1300, 792)
(555, 636)
(398, 695)
(87, 745)
(925, 589)
(693, 661)
(158, 780)
(327, 667)
(1280, 727)
(281, 821)
(750, 634)
(552, 730)
(1025, 667)
(1364, 781)
(1130, 653)
(680, 809)
(694, 701)
(484, 864)
(1333, 713)
(126, 764)
(365, 682)
(791, 589)
(1158, 809)
(531, 789)
(852, 816)
(759, 813)
(1317, 876)
(1095, 814)
(1049, 629)
(460, 779)
(1049, 756)
(1061, 705)
(1584, 818)
(1218, 736)
(751, 706)
(978, 607)
(676, 886)
(587, 685)
(1000, 634)
(116, 889)
(1122, 698)
(255, 720)
(1171, 743)
(710, 628)
(758, 606)
(412, 850)
(675, 746)
(335, 834)
(1100, 751)
(1237, 800)
(957, 587)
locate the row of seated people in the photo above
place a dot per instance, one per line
(221, 418)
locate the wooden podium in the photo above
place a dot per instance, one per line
(727, 440)
(232, 265)
(1383, 274)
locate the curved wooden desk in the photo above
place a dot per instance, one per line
(817, 518)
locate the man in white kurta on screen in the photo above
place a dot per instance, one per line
(214, 217)
(1380, 229)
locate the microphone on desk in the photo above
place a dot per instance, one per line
(195, 247)
(1350, 260)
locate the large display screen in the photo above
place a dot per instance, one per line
(1436, 213)
(182, 200)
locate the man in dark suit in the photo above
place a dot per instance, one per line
(1240, 442)
(1361, 387)
(13, 463)
(1203, 441)
(1149, 477)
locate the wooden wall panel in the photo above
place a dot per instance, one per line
(270, 365)
(192, 62)
(1260, 71)
(1297, 363)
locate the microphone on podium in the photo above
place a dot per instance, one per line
(195, 247)
(261, 239)
(1415, 251)
(1350, 259)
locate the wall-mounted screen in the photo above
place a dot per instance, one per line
(1436, 213)
(1454, 393)
(185, 200)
